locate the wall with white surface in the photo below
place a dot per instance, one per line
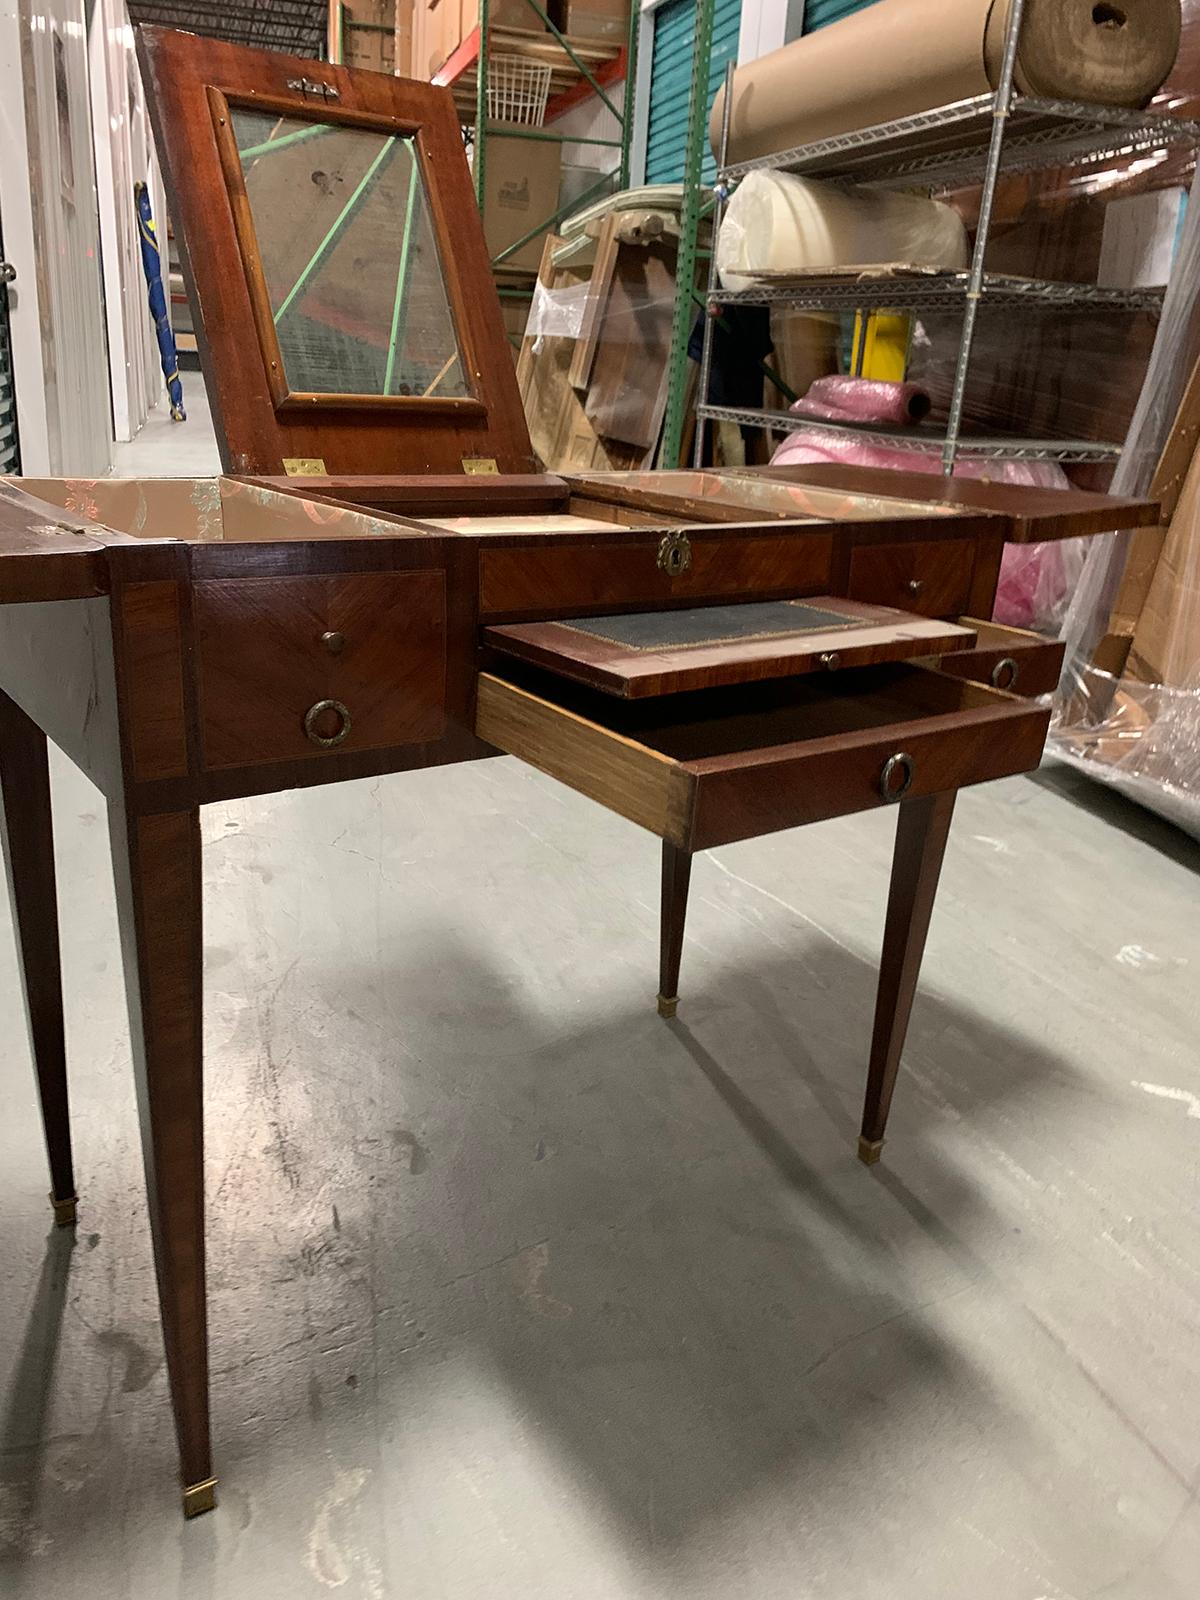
(124, 156)
(51, 237)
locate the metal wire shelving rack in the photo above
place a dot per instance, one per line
(954, 146)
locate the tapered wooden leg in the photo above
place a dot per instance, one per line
(27, 833)
(156, 867)
(921, 833)
(676, 874)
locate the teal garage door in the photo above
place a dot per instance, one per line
(671, 80)
(820, 13)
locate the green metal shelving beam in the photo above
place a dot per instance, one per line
(623, 115)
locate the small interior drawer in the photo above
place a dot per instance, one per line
(706, 768)
(635, 654)
(1007, 658)
(932, 576)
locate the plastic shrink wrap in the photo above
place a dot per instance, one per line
(1128, 707)
(776, 222)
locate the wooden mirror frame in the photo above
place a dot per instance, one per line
(262, 425)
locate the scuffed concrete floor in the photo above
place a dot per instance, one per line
(518, 1291)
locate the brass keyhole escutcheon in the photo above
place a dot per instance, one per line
(674, 554)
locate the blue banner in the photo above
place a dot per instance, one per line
(151, 261)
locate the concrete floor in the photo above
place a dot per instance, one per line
(519, 1291)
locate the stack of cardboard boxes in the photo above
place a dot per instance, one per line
(370, 35)
(603, 21)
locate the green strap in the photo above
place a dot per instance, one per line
(297, 137)
(399, 305)
(340, 222)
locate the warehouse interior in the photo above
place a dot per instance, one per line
(416, 417)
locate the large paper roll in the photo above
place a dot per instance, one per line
(899, 57)
(778, 223)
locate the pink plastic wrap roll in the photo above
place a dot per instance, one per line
(864, 400)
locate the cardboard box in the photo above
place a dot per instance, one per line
(440, 28)
(604, 21)
(437, 32)
(1140, 238)
(521, 182)
(505, 14)
(370, 47)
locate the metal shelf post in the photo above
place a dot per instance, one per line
(720, 195)
(1000, 109)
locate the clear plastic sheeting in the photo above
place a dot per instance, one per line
(1128, 708)
(1139, 738)
(1137, 725)
(779, 223)
(556, 313)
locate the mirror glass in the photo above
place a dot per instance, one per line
(347, 249)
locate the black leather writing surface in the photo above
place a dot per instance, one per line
(675, 630)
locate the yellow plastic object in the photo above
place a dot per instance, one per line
(881, 341)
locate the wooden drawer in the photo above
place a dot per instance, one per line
(265, 663)
(929, 576)
(704, 769)
(1007, 658)
(550, 578)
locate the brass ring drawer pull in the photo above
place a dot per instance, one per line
(674, 554)
(1005, 673)
(310, 723)
(899, 763)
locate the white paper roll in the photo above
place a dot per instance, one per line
(777, 222)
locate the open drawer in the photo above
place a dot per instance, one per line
(702, 769)
(1007, 658)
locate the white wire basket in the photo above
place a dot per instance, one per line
(517, 90)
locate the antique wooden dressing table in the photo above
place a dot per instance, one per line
(712, 655)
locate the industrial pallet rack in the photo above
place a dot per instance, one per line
(954, 146)
(579, 71)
